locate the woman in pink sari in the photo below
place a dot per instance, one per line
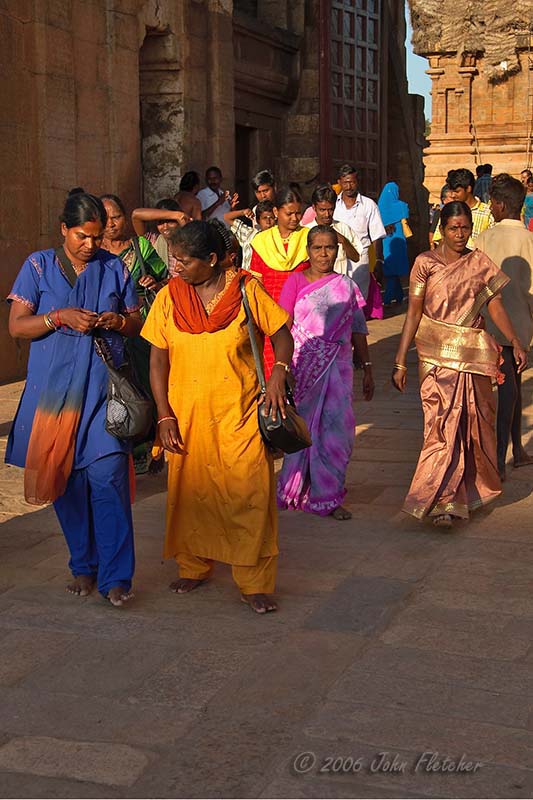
(457, 470)
(327, 319)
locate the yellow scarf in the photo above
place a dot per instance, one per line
(269, 246)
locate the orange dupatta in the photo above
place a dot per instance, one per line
(190, 316)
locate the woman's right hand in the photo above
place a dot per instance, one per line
(399, 379)
(169, 433)
(79, 319)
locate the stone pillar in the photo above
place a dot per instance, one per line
(161, 99)
(438, 96)
(466, 75)
(220, 106)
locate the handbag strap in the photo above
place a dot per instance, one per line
(253, 340)
(66, 266)
(139, 256)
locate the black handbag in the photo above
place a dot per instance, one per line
(148, 295)
(130, 410)
(290, 434)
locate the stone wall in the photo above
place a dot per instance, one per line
(72, 91)
(481, 66)
(478, 121)
(76, 76)
(123, 96)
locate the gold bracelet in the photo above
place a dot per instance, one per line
(282, 364)
(48, 322)
(124, 320)
(400, 366)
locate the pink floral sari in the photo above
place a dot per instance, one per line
(325, 313)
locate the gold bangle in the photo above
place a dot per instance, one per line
(282, 364)
(124, 320)
(48, 322)
(400, 366)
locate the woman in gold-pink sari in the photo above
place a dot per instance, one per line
(458, 360)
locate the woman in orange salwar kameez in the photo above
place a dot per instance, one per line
(457, 470)
(280, 251)
(221, 503)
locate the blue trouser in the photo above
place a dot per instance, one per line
(393, 289)
(95, 515)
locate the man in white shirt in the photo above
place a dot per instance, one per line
(363, 217)
(215, 201)
(350, 248)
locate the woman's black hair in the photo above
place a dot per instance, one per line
(168, 204)
(317, 230)
(286, 195)
(80, 208)
(324, 194)
(444, 191)
(189, 180)
(76, 190)
(113, 198)
(223, 230)
(454, 209)
(199, 239)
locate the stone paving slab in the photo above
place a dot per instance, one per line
(111, 764)
(391, 636)
(360, 604)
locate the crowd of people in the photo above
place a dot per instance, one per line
(166, 293)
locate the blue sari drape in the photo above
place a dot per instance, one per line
(60, 422)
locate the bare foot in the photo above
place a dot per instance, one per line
(260, 603)
(443, 521)
(81, 585)
(118, 595)
(341, 513)
(184, 585)
(522, 459)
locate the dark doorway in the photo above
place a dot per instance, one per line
(243, 148)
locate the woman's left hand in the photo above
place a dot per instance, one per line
(275, 398)
(110, 320)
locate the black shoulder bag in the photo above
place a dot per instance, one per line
(129, 410)
(290, 434)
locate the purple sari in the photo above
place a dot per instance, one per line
(325, 314)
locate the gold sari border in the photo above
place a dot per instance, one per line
(455, 347)
(492, 288)
(459, 510)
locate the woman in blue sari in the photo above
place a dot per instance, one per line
(395, 260)
(60, 298)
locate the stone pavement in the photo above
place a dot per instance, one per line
(391, 638)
